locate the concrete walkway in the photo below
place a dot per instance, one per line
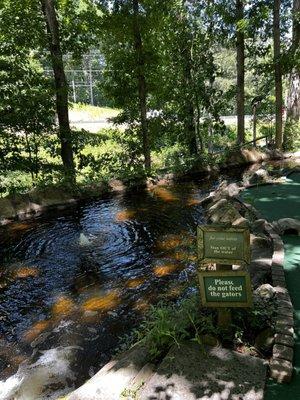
(188, 372)
(276, 202)
(193, 372)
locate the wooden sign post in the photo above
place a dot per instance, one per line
(224, 288)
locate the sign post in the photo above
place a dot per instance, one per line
(224, 288)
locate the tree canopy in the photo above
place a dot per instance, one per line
(173, 69)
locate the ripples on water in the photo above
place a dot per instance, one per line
(86, 277)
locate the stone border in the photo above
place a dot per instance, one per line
(281, 364)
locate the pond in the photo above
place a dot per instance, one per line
(85, 277)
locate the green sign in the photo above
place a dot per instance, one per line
(225, 289)
(217, 244)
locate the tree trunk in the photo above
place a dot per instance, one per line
(293, 100)
(277, 74)
(254, 125)
(240, 67)
(142, 89)
(187, 62)
(189, 120)
(61, 89)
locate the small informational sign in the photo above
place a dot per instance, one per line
(217, 244)
(225, 289)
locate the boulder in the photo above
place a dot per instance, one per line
(225, 190)
(217, 205)
(265, 291)
(287, 225)
(52, 371)
(245, 156)
(258, 226)
(258, 177)
(116, 185)
(274, 154)
(241, 222)
(225, 214)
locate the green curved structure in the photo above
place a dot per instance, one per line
(275, 202)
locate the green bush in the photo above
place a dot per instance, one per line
(168, 324)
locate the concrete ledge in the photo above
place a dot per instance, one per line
(281, 364)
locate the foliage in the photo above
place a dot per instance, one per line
(168, 324)
(247, 323)
(189, 66)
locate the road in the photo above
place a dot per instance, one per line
(82, 120)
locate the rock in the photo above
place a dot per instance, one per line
(116, 185)
(265, 291)
(285, 340)
(274, 154)
(233, 189)
(205, 201)
(260, 242)
(283, 352)
(258, 226)
(225, 191)
(32, 381)
(245, 156)
(223, 211)
(259, 176)
(242, 222)
(287, 226)
(216, 205)
(49, 197)
(225, 216)
(265, 340)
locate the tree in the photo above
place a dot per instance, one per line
(142, 89)
(61, 88)
(293, 101)
(240, 68)
(186, 44)
(292, 125)
(277, 74)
